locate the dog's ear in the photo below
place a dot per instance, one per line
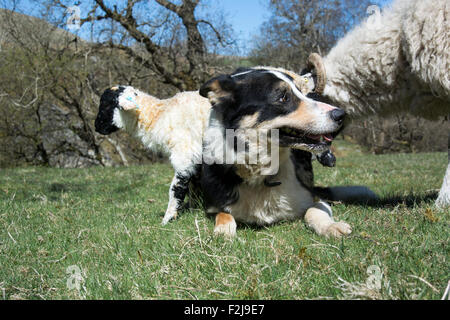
(218, 88)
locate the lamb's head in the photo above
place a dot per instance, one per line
(115, 104)
(109, 102)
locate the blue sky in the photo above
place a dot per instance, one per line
(246, 16)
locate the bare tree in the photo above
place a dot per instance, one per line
(170, 43)
(53, 79)
(299, 27)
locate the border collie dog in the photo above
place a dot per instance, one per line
(268, 102)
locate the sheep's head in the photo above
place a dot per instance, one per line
(316, 70)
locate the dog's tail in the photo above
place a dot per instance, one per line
(347, 194)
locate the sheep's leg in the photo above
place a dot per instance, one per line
(444, 195)
(319, 218)
(178, 190)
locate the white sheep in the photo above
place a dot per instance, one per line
(397, 60)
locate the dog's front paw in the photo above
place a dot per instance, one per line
(225, 225)
(338, 229)
(227, 230)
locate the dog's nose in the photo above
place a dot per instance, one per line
(337, 115)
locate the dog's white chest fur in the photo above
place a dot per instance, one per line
(261, 205)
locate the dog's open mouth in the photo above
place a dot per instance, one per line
(295, 138)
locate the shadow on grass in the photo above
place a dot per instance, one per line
(65, 187)
(393, 200)
(54, 190)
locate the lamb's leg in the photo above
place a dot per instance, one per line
(178, 189)
(444, 195)
(319, 218)
(184, 164)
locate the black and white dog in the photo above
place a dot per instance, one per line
(268, 101)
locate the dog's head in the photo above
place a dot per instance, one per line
(269, 99)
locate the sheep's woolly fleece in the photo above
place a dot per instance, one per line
(396, 61)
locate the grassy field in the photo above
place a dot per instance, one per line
(101, 228)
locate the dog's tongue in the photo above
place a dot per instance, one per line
(327, 137)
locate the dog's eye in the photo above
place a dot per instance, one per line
(284, 97)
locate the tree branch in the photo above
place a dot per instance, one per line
(170, 6)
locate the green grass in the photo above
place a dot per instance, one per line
(107, 222)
